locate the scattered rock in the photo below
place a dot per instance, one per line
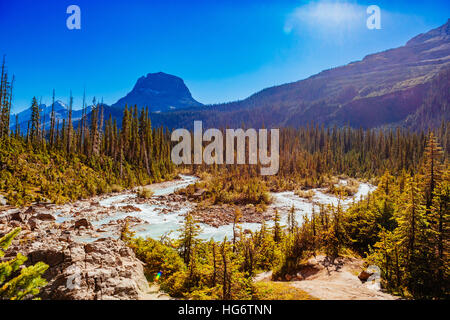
(364, 275)
(30, 210)
(14, 224)
(45, 217)
(299, 276)
(199, 193)
(20, 216)
(130, 208)
(34, 224)
(82, 223)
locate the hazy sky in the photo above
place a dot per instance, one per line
(224, 50)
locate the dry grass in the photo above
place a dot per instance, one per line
(145, 193)
(308, 194)
(279, 291)
(116, 188)
(347, 190)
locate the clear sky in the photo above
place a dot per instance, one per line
(224, 50)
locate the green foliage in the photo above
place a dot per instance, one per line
(410, 233)
(44, 174)
(16, 281)
(145, 192)
(231, 188)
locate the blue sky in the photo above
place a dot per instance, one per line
(224, 50)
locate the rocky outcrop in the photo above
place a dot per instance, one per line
(130, 208)
(101, 270)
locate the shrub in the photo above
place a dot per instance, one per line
(308, 194)
(116, 188)
(159, 258)
(17, 282)
(145, 192)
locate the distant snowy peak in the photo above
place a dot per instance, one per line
(60, 108)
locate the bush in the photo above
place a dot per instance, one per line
(347, 190)
(308, 194)
(17, 282)
(145, 193)
(160, 258)
(116, 188)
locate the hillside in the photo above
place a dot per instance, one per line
(382, 89)
(406, 86)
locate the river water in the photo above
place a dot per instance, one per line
(157, 224)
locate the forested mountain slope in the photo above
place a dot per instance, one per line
(390, 87)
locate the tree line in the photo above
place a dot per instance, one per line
(77, 160)
(403, 228)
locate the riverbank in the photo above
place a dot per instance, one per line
(81, 240)
(163, 213)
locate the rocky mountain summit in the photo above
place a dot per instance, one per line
(159, 92)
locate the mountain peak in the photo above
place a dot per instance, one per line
(160, 92)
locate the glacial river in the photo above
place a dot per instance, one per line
(157, 224)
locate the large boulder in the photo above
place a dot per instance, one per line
(45, 217)
(102, 270)
(364, 275)
(82, 223)
(22, 216)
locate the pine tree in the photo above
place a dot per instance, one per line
(69, 125)
(226, 274)
(35, 122)
(440, 225)
(52, 122)
(236, 226)
(277, 227)
(411, 231)
(433, 153)
(17, 282)
(188, 237)
(291, 221)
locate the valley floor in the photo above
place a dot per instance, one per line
(91, 226)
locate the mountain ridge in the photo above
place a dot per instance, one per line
(392, 87)
(381, 89)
